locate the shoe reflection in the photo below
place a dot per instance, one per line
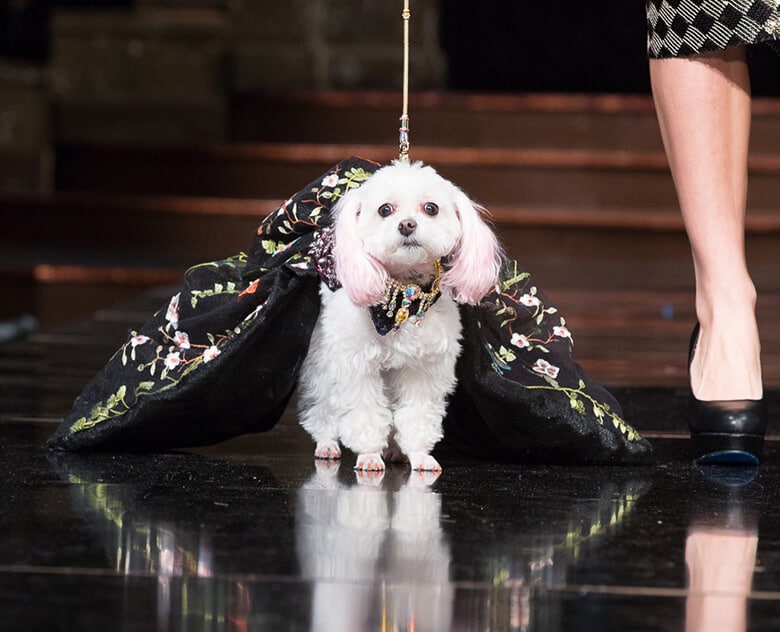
(720, 550)
(375, 551)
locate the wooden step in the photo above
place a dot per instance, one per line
(175, 230)
(647, 248)
(629, 180)
(531, 121)
(170, 231)
(58, 293)
(178, 229)
(160, 123)
(493, 176)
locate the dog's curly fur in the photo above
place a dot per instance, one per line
(386, 395)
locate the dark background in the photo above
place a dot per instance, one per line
(491, 45)
(23, 25)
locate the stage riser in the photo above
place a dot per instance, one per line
(613, 180)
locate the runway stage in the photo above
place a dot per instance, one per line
(253, 535)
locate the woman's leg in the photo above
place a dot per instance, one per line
(721, 563)
(703, 106)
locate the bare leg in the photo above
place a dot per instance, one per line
(720, 570)
(703, 106)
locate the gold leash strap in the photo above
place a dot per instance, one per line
(404, 129)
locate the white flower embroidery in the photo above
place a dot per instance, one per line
(529, 300)
(172, 315)
(138, 340)
(172, 360)
(330, 180)
(545, 368)
(519, 340)
(562, 332)
(182, 340)
(210, 353)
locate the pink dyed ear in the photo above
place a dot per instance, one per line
(360, 274)
(477, 258)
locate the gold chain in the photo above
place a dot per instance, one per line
(404, 129)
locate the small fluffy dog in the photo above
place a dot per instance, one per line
(407, 246)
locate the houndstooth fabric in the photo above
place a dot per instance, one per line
(680, 28)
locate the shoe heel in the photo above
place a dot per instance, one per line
(718, 448)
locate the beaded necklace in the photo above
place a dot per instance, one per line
(403, 298)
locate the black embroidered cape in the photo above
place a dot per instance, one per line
(222, 358)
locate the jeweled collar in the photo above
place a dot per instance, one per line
(400, 301)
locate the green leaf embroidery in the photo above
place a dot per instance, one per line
(270, 246)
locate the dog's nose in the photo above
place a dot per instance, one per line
(406, 227)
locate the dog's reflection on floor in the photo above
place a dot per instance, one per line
(374, 550)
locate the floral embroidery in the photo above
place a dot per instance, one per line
(289, 220)
(218, 288)
(176, 363)
(525, 339)
(172, 314)
(331, 180)
(545, 368)
(211, 353)
(600, 410)
(114, 406)
(529, 300)
(181, 340)
(516, 304)
(172, 360)
(169, 353)
(250, 290)
(138, 340)
(519, 340)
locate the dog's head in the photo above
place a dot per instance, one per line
(405, 217)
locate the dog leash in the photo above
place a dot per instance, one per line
(403, 140)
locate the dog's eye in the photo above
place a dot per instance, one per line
(431, 209)
(385, 210)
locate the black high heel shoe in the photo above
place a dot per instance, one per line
(727, 432)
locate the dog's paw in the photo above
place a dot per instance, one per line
(328, 450)
(369, 478)
(370, 462)
(422, 479)
(422, 462)
(327, 469)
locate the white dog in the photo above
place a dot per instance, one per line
(407, 246)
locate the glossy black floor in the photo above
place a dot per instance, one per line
(253, 535)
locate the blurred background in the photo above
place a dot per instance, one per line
(138, 137)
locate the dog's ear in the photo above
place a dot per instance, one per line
(477, 258)
(361, 275)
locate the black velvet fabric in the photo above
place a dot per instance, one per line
(222, 358)
(520, 394)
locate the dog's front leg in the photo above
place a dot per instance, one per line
(365, 425)
(359, 408)
(316, 407)
(343, 394)
(420, 403)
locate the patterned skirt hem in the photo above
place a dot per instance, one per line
(683, 28)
